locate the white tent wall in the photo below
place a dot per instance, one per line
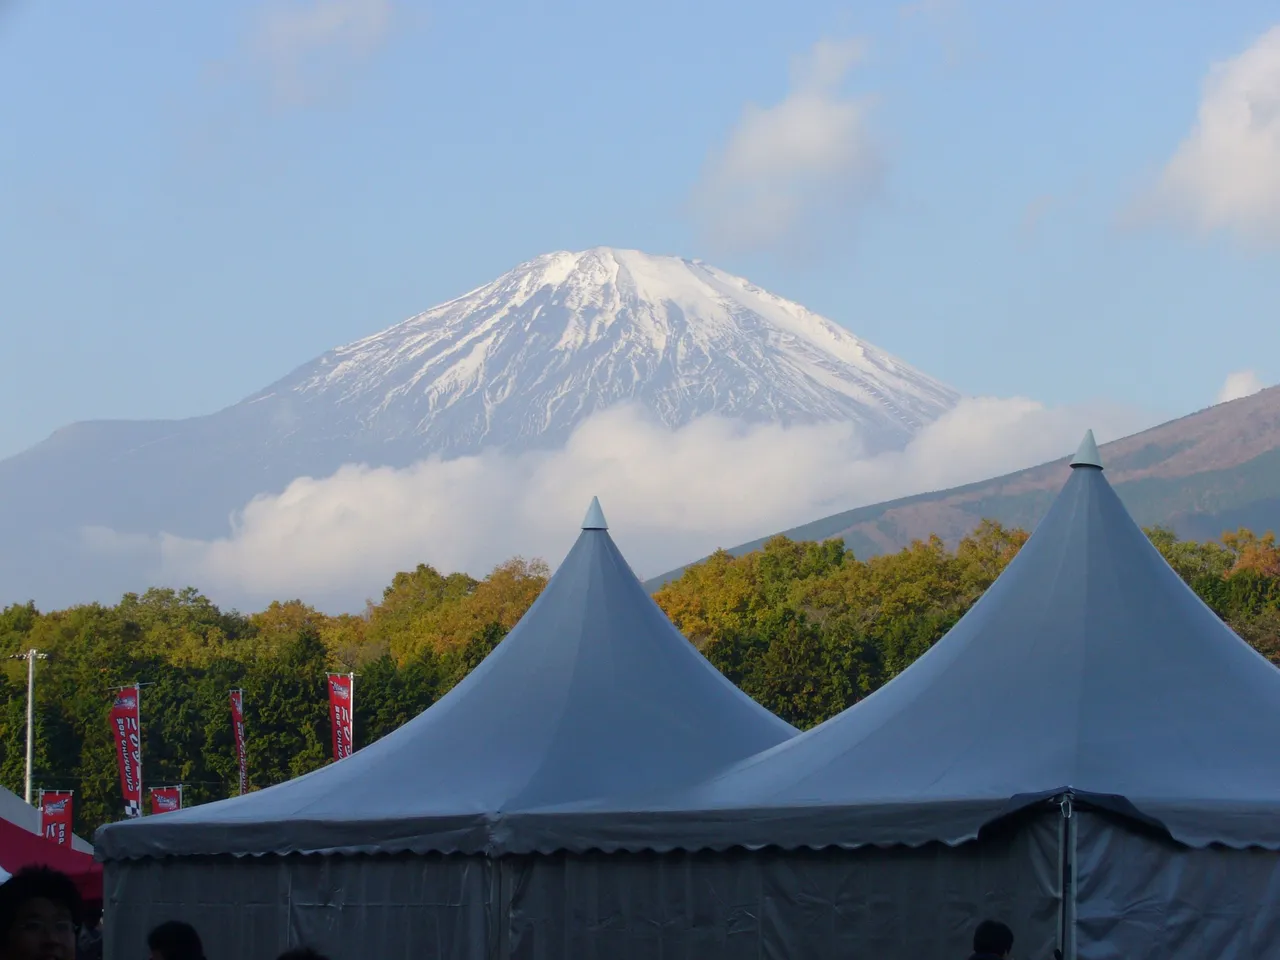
(254, 908)
(891, 904)
(888, 904)
(1141, 896)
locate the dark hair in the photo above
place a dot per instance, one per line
(176, 940)
(992, 937)
(301, 953)
(37, 883)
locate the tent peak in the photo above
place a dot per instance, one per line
(1087, 455)
(595, 517)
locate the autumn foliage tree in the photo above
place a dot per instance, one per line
(807, 629)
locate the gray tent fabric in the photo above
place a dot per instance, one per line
(777, 905)
(254, 908)
(891, 904)
(1141, 896)
(1080, 756)
(593, 694)
(1088, 668)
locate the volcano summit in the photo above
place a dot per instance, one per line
(523, 360)
(516, 365)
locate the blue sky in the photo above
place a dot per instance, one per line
(196, 198)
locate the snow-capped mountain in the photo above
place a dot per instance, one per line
(523, 360)
(517, 364)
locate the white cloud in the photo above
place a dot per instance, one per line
(795, 166)
(301, 42)
(1226, 173)
(670, 497)
(1241, 383)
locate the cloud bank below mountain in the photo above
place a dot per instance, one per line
(670, 496)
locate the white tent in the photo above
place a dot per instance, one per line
(17, 811)
(593, 695)
(1090, 754)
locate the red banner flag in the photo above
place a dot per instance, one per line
(55, 816)
(166, 799)
(341, 712)
(127, 723)
(237, 728)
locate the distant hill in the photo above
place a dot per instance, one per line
(1215, 470)
(517, 364)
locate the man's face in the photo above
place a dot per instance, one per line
(42, 930)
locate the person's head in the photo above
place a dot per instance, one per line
(39, 913)
(301, 953)
(994, 938)
(175, 940)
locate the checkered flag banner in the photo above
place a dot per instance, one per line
(126, 724)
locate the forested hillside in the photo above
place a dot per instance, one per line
(805, 628)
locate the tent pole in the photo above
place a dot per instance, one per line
(1062, 888)
(1067, 881)
(1072, 824)
(499, 919)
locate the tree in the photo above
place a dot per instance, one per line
(389, 696)
(503, 597)
(1253, 553)
(287, 730)
(409, 598)
(805, 628)
(1191, 560)
(792, 676)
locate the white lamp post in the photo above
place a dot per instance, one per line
(31, 656)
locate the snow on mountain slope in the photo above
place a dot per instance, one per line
(520, 362)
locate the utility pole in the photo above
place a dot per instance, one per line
(31, 656)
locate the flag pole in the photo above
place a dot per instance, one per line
(142, 793)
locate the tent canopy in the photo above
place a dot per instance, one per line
(16, 810)
(1088, 668)
(594, 694)
(20, 848)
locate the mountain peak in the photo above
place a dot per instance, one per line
(522, 361)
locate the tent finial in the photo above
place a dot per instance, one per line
(595, 517)
(1087, 455)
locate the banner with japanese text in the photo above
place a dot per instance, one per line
(237, 728)
(127, 726)
(166, 799)
(341, 706)
(55, 815)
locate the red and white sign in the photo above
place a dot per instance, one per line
(237, 729)
(55, 816)
(342, 713)
(166, 799)
(126, 723)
